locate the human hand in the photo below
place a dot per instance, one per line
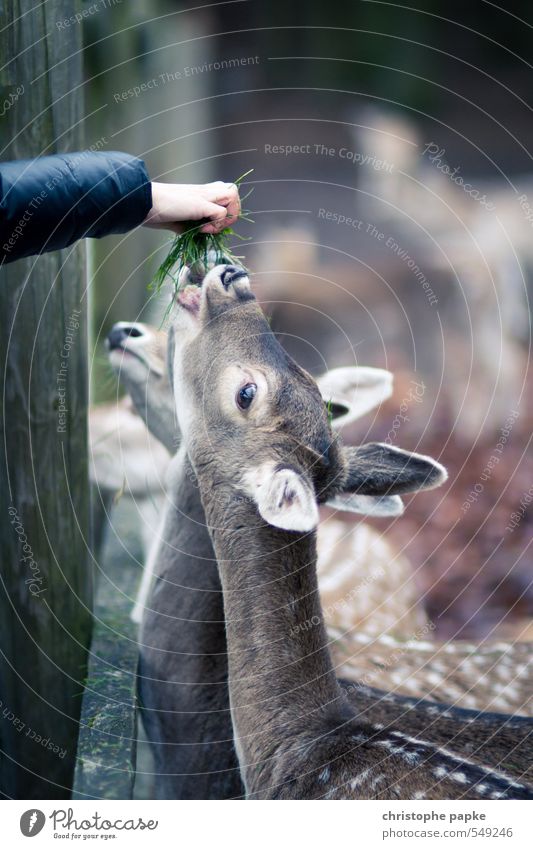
(175, 203)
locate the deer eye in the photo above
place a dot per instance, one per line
(246, 395)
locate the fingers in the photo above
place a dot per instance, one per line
(227, 195)
(233, 204)
(213, 228)
(218, 216)
(173, 203)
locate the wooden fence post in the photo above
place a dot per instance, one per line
(45, 588)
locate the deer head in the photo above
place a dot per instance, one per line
(138, 354)
(256, 422)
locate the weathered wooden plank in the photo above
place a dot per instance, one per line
(45, 589)
(105, 766)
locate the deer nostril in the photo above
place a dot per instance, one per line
(120, 332)
(133, 331)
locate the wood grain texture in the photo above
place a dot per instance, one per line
(105, 766)
(44, 495)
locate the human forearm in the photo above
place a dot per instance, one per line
(49, 202)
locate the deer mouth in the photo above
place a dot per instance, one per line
(191, 284)
(189, 298)
(123, 353)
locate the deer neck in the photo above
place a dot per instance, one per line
(280, 670)
(157, 411)
(183, 665)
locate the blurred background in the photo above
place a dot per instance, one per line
(392, 182)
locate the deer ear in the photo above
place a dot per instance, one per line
(284, 497)
(377, 469)
(367, 505)
(171, 347)
(353, 391)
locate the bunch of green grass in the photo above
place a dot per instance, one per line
(193, 248)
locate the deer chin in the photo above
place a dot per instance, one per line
(123, 359)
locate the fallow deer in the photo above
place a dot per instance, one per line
(183, 693)
(138, 354)
(177, 715)
(256, 430)
(479, 236)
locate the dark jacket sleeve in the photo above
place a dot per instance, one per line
(49, 202)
